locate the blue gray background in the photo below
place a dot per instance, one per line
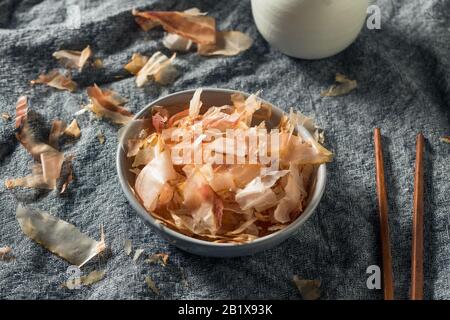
(403, 76)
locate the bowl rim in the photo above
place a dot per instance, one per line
(147, 217)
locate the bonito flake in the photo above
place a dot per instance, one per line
(445, 139)
(47, 168)
(176, 42)
(58, 236)
(184, 29)
(91, 278)
(228, 43)
(161, 258)
(342, 87)
(198, 28)
(73, 130)
(73, 59)
(5, 253)
(109, 104)
(309, 289)
(56, 80)
(184, 181)
(158, 68)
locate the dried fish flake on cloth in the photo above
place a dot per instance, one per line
(73, 59)
(25, 134)
(57, 80)
(59, 236)
(5, 253)
(73, 130)
(198, 28)
(109, 104)
(46, 172)
(158, 67)
(193, 27)
(87, 280)
(228, 43)
(342, 86)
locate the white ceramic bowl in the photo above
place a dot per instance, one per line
(310, 29)
(212, 97)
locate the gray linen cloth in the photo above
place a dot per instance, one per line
(404, 87)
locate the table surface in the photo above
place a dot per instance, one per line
(404, 87)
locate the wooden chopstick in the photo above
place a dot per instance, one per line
(417, 231)
(388, 282)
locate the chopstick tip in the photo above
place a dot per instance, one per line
(420, 138)
(377, 132)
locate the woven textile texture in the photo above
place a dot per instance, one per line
(403, 73)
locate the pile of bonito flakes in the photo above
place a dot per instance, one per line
(206, 175)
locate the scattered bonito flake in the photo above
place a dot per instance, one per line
(192, 26)
(309, 289)
(198, 28)
(148, 24)
(69, 175)
(137, 254)
(56, 80)
(91, 278)
(228, 43)
(176, 42)
(25, 134)
(46, 173)
(35, 180)
(5, 116)
(84, 109)
(21, 111)
(161, 258)
(5, 253)
(445, 139)
(158, 68)
(145, 24)
(151, 284)
(51, 167)
(342, 87)
(136, 63)
(56, 131)
(73, 59)
(98, 63)
(73, 130)
(59, 236)
(109, 104)
(128, 247)
(101, 137)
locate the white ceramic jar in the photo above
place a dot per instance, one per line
(309, 29)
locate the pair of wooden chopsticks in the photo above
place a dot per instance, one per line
(417, 230)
